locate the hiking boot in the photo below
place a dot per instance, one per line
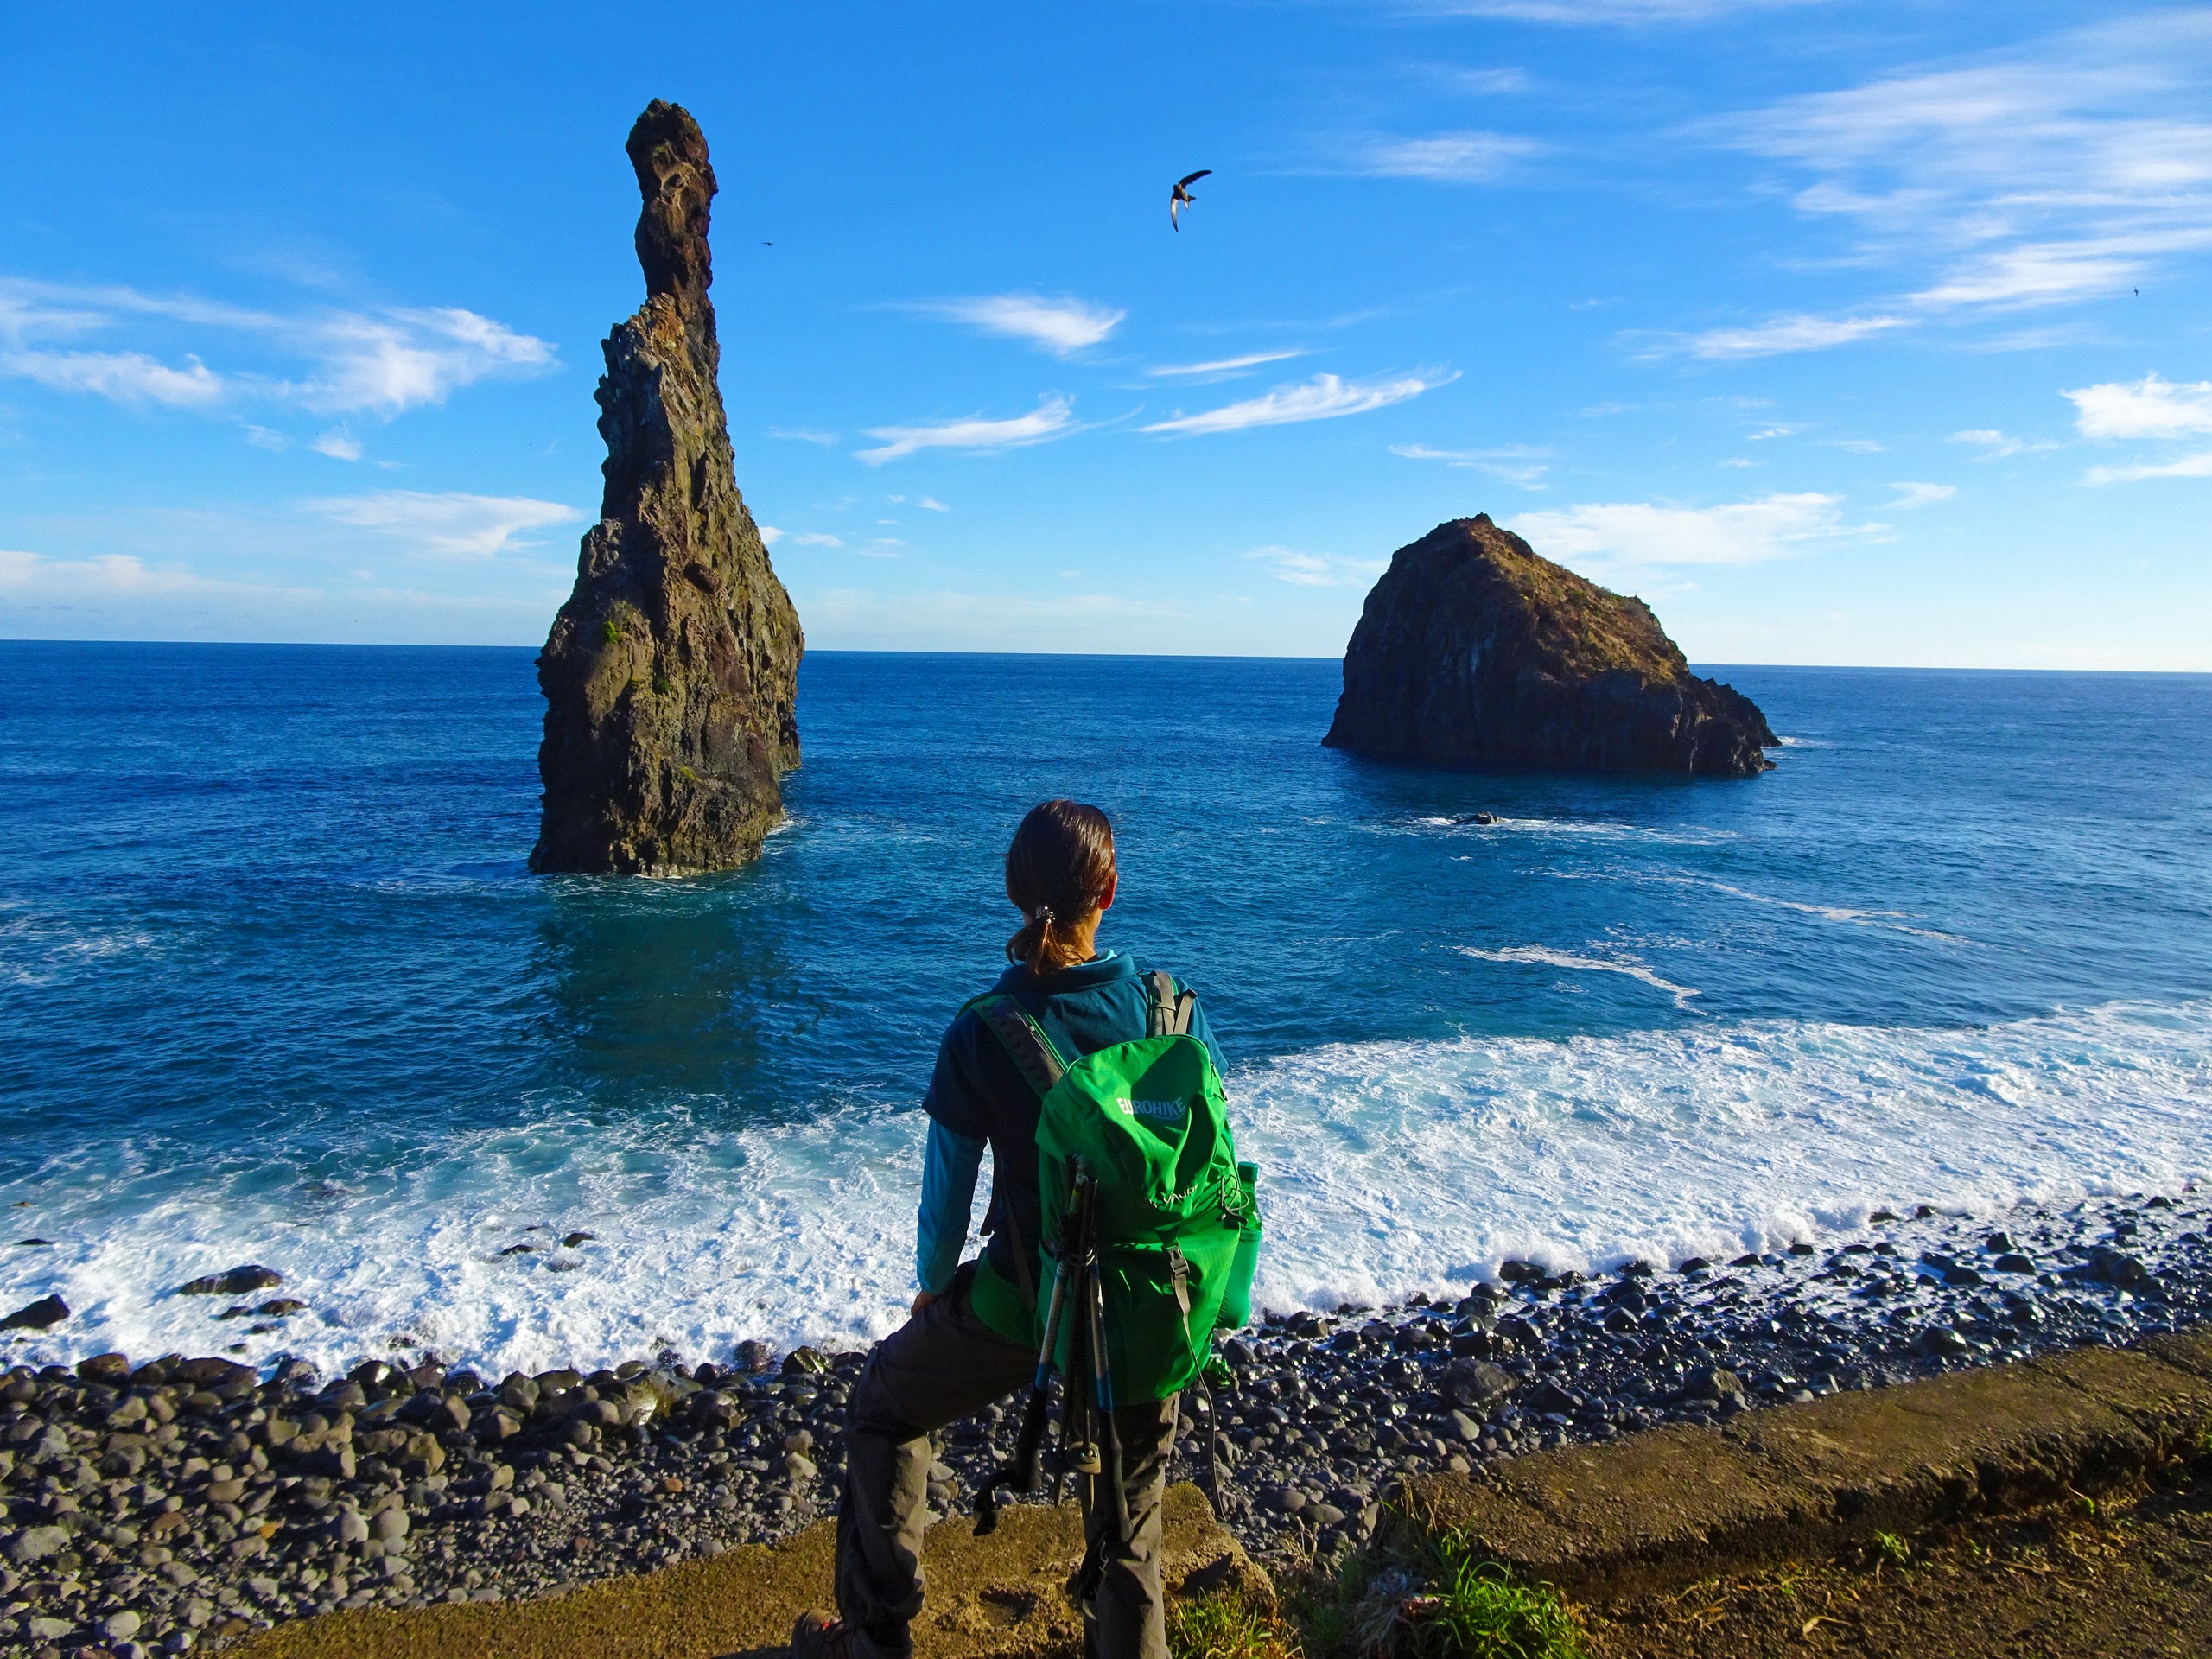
(816, 1636)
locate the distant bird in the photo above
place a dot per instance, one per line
(1180, 196)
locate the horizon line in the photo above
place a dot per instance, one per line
(1093, 656)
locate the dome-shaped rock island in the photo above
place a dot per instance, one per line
(1472, 650)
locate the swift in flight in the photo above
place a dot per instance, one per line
(1180, 197)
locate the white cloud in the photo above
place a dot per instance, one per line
(388, 363)
(1641, 534)
(1995, 445)
(2149, 408)
(769, 534)
(33, 576)
(931, 503)
(2038, 274)
(1221, 367)
(1317, 570)
(452, 523)
(1323, 397)
(816, 538)
(1784, 334)
(1587, 12)
(1449, 157)
(339, 444)
(805, 435)
(329, 362)
(1921, 495)
(2065, 169)
(1053, 418)
(1516, 463)
(2197, 466)
(123, 377)
(1062, 327)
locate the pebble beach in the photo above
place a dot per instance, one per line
(164, 1505)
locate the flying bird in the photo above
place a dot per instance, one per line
(1180, 196)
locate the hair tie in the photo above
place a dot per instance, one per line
(1043, 915)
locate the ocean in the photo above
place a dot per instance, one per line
(276, 987)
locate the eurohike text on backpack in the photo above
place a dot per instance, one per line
(1152, 1236)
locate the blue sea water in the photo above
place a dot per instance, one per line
(276, 986)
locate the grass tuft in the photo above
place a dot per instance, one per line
(1482, 1613)
(1447, 1603)
(1222, 1627)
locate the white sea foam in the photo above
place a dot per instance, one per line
(1895, 921)
(1544, 955)
(1576, 828)
(1388, 1167)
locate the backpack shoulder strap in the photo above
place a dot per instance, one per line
(1170, 1010)
(1028, 1047)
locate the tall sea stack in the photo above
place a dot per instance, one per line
(670, 675)
(1474, 651)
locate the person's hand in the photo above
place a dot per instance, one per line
(922, 1299)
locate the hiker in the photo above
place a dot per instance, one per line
(973, 1335)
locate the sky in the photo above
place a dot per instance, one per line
(1842, 331)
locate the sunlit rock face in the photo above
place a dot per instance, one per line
(1474, 651)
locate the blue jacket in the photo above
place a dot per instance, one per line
(977, 1098)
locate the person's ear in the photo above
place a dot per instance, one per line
(1106, 899)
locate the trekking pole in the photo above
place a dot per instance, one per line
(1021, 1472)
(1079, 1439)
(1110, 1432)
(1106, 1465)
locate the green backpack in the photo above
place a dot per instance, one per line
(1178, 1217)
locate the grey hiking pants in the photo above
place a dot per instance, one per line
(940, 1366)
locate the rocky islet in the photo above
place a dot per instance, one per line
(160, 1507)
(1473, 651)
(670, 675)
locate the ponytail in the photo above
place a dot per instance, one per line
(1057, 871)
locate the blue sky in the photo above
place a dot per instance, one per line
(1844, 332)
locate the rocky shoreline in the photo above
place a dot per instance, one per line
(164, 1507)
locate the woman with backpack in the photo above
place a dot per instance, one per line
(974, 1332)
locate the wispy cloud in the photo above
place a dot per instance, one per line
(2149, 408)
(1062, 327)
(1585, 13)
(2066, 169)
(338, 443)
(805, 435)
(2196, 466)
(1516, 463)
(1220, 368)
(1634, 535)
(1466, 157)
(1779, 336)
(1317, 570)
(451, 524)
(122, 377)
(112, 575)
(1995, 445)
(380, 363)
(1323, 397)
(1921, 495)
(816, 538)
(1053, 418)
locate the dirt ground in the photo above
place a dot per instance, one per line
(2117, 1576)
